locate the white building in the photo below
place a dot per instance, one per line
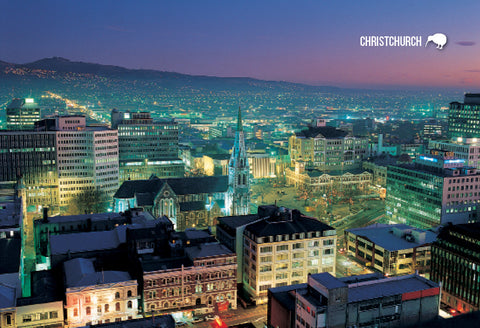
(98, 297)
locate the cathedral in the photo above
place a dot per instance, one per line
(238, 193)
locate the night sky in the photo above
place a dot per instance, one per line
(316, 42)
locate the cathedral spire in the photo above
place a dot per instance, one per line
(239, 120)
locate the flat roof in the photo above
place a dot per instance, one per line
(207, 250)
(388, 287)
(284, 297)
(383, 236)
(87, 241)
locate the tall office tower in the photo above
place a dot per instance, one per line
(146, 147)
(87, 158)
(33, 156)
(327, 148)
(22, 114)
(437, 189)
(464, 119)
(238, 194)
(456, 263)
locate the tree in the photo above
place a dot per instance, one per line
(88, 201)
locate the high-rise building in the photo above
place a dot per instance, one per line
(32, 156)
(238, 194)
(146, 147)
(463, 119)
(22, 114)
(436, 189)
(59, 160)
(283, 248)
(87, 158)
(357, 301)
(327, 148)
(456, 264)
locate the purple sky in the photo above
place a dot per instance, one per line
(316, 42)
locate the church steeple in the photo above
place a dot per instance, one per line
(239, 120)
(238, 195)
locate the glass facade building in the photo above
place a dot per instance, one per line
(456, 263)
(464, 118)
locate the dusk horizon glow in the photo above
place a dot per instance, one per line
(310, 42)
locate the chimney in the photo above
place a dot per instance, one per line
(45, 214)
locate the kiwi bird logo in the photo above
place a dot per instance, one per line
(439, 39)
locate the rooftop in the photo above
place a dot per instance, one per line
(87, 241)
(281, 221)
(207, 250)
(148, 189)
(284, 295)
(393, 237)
(10, 255)
(328, 132)
(388, 287)
(234, 222)
(81, 272)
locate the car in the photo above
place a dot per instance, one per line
(196, 320)
(210, 317)
(180, 323)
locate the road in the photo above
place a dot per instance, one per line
(256, 315)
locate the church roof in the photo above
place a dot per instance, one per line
(146, 190)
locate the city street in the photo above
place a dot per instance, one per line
(256, 315)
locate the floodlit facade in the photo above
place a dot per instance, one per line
(435, 190)
(317, 180)
(466, 149)
(391, 249)
(146, 147)
(327, 148)
(207, 279)
(98, 297)
(283, 249)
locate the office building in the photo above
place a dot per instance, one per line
(146, 147)
(327, 148)
(22, 114)
(456, 264)
(436, 189)
(284, 248)
(356, 301)
(86, 160)
(391, 249)
(463, 119)
(466, 149)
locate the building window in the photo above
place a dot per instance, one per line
(117, 306)
(129, 304)
(87, 299)
(117, 295)
(99, 309)
(88, 310)
(75, 312)
(107, 308)
(129, 293)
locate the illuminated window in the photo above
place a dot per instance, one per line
(99, 309)
(106, 308)
(75, 312)
(117, 306)
(88, 310)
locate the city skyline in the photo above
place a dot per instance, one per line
(311, 43)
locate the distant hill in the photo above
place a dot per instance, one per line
(52, 68)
